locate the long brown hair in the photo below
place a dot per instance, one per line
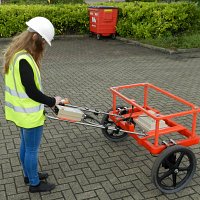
(24, 41)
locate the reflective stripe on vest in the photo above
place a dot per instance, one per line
(15, 93)
(25, 110)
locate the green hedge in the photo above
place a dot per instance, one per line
(66, 18)
(136, 20)
(167, 1)
(142, 0)
(150, 20)
(66, 1)
(25, 2)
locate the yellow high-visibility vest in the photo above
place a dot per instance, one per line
(19, 108)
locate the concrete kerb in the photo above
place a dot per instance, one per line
(165, 50)
(57, 37)
(60, 37)
(130, 41)
(5, 39)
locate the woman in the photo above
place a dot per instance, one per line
(24, 99)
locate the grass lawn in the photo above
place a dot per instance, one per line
(185, 41)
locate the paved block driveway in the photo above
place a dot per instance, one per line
(79, 159)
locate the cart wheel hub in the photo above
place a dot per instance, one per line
(176, 171)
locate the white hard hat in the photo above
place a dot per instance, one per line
(42, 26)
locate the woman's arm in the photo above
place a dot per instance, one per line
(27, 79)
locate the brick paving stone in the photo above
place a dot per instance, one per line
(183, 198)
(66, 180)
(161, 198)
(91, 187)
(187, 191)
(108, 186)
(102, 195)
(36, 196)
(128, 198)
(139, 185)
(86, 195)
(195, 197)
(136, 195)
(119, 194)
(80, 160)
(68, 194)
(53, 196)
(125, 185)
(21, 196)
(75, 187)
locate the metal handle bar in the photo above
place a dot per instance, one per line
(93, 111)
(98, 126)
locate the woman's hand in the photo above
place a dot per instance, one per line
(65, 101)
(58, 100)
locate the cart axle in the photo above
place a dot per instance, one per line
(97, 126)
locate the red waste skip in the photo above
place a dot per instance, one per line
(103, 20)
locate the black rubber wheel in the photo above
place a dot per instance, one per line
(113, 36)
(173, 169)
(98, 36)
(114, 136)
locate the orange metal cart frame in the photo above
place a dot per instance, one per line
(154, 147)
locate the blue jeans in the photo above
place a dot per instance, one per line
(29, 148)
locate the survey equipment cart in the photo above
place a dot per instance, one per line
(175, 163)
